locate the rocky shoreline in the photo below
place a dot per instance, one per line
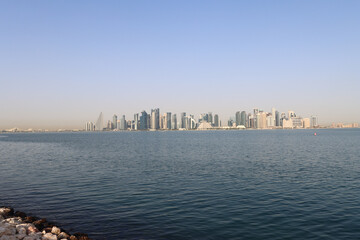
(17, 225)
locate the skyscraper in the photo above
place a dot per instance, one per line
(210, 117)
(277, 119)
(243, 118)
(136, 121)
(182, 120)
(114, 122)
(314, 121)
(155, 115)
(174, 122)
(273, 117)
(99, 126)
(237, 118)
(123, 123)
(144, 120)
(168, 120)
(216, 121)
(89, 126)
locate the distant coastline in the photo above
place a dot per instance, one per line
(166, 130)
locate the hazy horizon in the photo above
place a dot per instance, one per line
(62, 63)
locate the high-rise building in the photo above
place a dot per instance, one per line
(174, 122)
(287, 123)
(168, 120)
(216, 121)
(238, 118)
(114, 126)
(155, 117)
(297, 122)
(210, 118)
(89, 126)
(277, 119)
(306, 123)
(162, 121)
(182, 120)
(257, 122)
(273, 117)
(262, 124)
(314, 121)
(291, 114)
(136, 121)
(108, 125)
(99, 126)
(123, 123)
(243, 119)
(144, 121)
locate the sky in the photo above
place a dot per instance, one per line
(64, 62)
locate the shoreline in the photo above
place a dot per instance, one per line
(16, 225)
(177, 130)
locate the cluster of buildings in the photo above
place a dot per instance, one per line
(342, 125)
(154, 120)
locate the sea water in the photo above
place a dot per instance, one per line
(269, 184)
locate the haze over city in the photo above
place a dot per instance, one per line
(62, 63)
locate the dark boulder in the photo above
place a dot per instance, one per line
(20, 214)
(41, 224)
(29, 219)
(82, 236)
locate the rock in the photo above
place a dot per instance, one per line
(21, 230)
(20, 214)
(32, 229)
(72, 237)
(29, 219)
(49, 236)
(6, 237)
(7, 230)
(81, 236)
(55, 230)
(13, 221)
(40, 224)
(36, 235)
(48, 229)
(30, 238)
(6, 212)
(63, 235)
(20, 236)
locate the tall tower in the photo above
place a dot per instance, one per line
(144, 121)
(123, 124)
(210, 118)
(168, 120)
(277, 119)
(174, 122)
(99, 126)
(136, 121)
(182, 120)
(243, 118)
(155, 117)
(114, 122)
(273, 117)
(216, 121)
(237, 118)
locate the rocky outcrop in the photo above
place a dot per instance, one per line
(18, 226)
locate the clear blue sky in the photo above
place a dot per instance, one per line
(63, 62)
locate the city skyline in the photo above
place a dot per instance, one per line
(63, 62)
(155, 120)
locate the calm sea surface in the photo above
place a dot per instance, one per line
(276, 184)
